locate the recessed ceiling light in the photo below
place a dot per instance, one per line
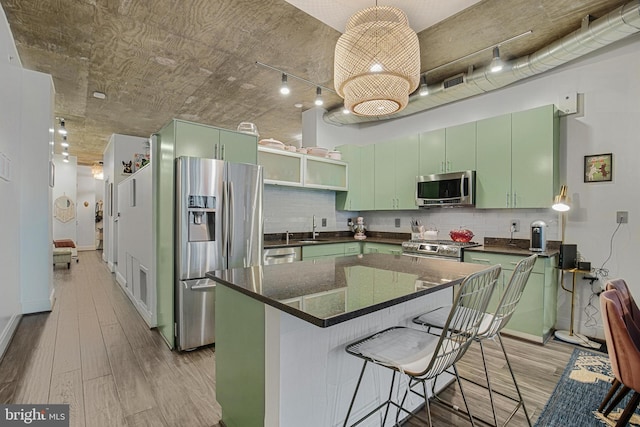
(99, 95)
(298, 105)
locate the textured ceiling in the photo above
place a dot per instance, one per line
(195, 59)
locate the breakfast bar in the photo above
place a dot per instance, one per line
(281, 331)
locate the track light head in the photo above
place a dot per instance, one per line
(284, 89)
(318, 100)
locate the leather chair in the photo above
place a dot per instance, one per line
(633, 313)
(624, 353)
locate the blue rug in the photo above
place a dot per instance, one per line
(582, 386)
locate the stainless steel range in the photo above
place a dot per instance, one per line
(441, 249)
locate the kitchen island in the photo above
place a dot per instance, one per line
(281, 331)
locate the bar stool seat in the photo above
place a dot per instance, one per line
(490, 327)
(421, 355)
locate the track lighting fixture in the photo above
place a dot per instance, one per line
(284, 86)
(62, 130)
(318, 100)
(64, 142)
(496, 63)
(284, 89)
(65, 152)
(345, 111)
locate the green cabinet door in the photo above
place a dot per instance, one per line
(534, 144)
(406, 169)
(381, 248)
(384, 179)
(530, 312)
(432, 152)
(195, 140)
(460, 147)
(238, 147)
(366, 199)
(350, 199)
(493, 162)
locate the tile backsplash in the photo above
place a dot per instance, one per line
(292, 209)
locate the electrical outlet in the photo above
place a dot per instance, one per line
(514, 225)
(397, 222)
(622, 217)
(324, 222)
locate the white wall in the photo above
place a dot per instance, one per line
(120, 148)
(36, 277)
(26, 112)
(292, 209)
(608, 122)
(86, 229)
(66, 184)
(135, 245)
(10, 86)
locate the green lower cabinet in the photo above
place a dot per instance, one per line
(381, 248)
(535, 315)
(330, 250)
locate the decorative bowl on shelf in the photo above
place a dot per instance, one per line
(272, 143)
(317, 151)
(461, 235)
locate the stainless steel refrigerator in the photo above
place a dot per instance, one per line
(218, 226)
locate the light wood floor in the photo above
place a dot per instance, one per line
(94, 352)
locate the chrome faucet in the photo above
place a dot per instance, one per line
(288, 234)
(314, 233)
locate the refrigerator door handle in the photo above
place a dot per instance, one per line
(225, 219)
(231, 215)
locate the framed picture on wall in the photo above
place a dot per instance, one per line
(598, 167)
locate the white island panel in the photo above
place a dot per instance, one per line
(313, 382)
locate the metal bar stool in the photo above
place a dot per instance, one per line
(492, 324)
(423, 356)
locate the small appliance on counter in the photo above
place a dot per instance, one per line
(359, 228)
(538, 236)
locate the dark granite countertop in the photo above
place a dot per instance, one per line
(514, 247)
(278, 240)
(329, 291)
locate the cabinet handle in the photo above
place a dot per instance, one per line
(507, 201)
(448, 166)
(481, 260)
(513, 263)
(222, 152)
(215, 152)
(442, 166)
(515, 200)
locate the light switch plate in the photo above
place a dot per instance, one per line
(622, 217)
(397, 222)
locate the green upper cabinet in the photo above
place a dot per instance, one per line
(534, 145)
(195, 140)
(198, 140)
(493, 162)
(396, 168)
(461, 148)
(432, 152)
(517, 159)
(360, 176)
(238, 147)
(448, 150)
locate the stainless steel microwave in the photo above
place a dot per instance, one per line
(447, 189)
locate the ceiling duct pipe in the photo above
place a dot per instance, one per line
(614, 26)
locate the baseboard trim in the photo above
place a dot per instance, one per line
(7, 334)
(121, 279)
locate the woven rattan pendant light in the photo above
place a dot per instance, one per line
(377, 62)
